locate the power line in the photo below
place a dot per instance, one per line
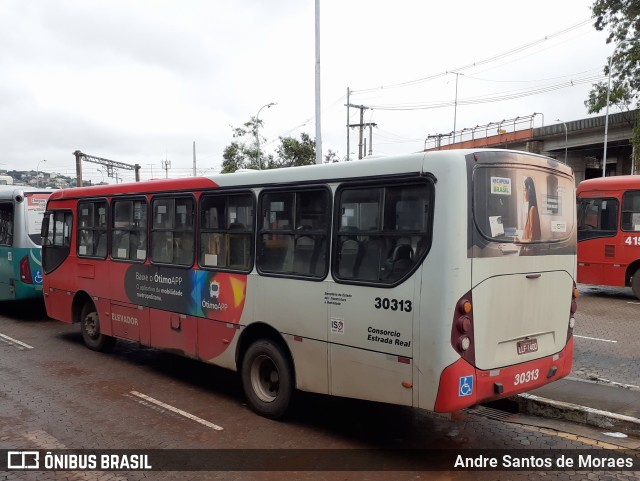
(480, 62)
(489, 99)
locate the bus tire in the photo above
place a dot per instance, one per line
(267, 379)
(90, 327)
(635, 283)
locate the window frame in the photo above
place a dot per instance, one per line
(227, 231)
(425, 179)
(11, 223)
(112, 228)
(599, 232)
(622, 211)
(93, 229)
(292, 230)
(172, 196)
(61, 251)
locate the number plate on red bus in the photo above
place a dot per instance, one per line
(527, 346)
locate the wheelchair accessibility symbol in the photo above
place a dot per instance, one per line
(466, 386)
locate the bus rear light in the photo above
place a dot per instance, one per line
(576, 293)
(465, 306)
(25, 270)
(462, 329)
(572, 322)
(464, 324)
(574, 307)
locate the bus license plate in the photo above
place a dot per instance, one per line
(527, 346)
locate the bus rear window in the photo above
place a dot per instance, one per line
(36, 205)
(524, 205)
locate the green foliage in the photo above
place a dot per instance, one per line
(242, 153)
(293, 153)
(622, 20)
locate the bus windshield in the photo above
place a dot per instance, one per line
(524, 205)
(35, 207)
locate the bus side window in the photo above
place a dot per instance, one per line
(6, 224)
(172, 230)
(295, 229)
(631, 211)
(129, 230)
(226, 230)
(92, 229)
(382, 231)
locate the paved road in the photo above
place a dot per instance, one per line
(57, 394)
(607, 345)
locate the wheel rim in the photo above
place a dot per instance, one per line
(265, 378)
(91, 325)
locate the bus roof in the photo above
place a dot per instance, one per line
(363, 168)
(617, 182)
(10, 191)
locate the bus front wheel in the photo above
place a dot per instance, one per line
(267, 379)
(635, 283)
(90, 327)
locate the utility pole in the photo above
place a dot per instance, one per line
(166, 165)
(318, 105)
(455, 106)
(371, 139)
(348, 94)
(194, 158)
(361, 149)
(151, 165)
(109, 164)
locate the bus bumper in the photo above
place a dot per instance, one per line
(462, 385)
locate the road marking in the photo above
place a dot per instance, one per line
(14, 342)
(595, 338)
(629, 302)
(177, 411)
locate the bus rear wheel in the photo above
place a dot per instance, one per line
(635, 283)
(90, 327)
(267, 379)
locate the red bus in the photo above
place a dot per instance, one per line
(609, 232)
(437, 280)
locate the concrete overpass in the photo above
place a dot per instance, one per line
(583, 141)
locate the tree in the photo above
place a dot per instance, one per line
(293, 153)
(622, 20)
(331, 157)
(243, 152)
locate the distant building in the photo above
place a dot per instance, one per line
(581, 142)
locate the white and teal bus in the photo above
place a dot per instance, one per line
(21, 213)
(437, 280)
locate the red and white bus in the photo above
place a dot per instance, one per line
(609, 232)
(416, 280)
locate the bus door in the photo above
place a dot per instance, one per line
(598, 222)
(381, 239)
(7, 271)
(293, 248)
(523, 261)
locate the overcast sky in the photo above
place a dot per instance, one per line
(140, 81)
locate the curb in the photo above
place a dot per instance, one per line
(539, 406)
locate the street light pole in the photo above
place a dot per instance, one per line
(606, 116)
(38, 172)
(565, 140)
(269, 105)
